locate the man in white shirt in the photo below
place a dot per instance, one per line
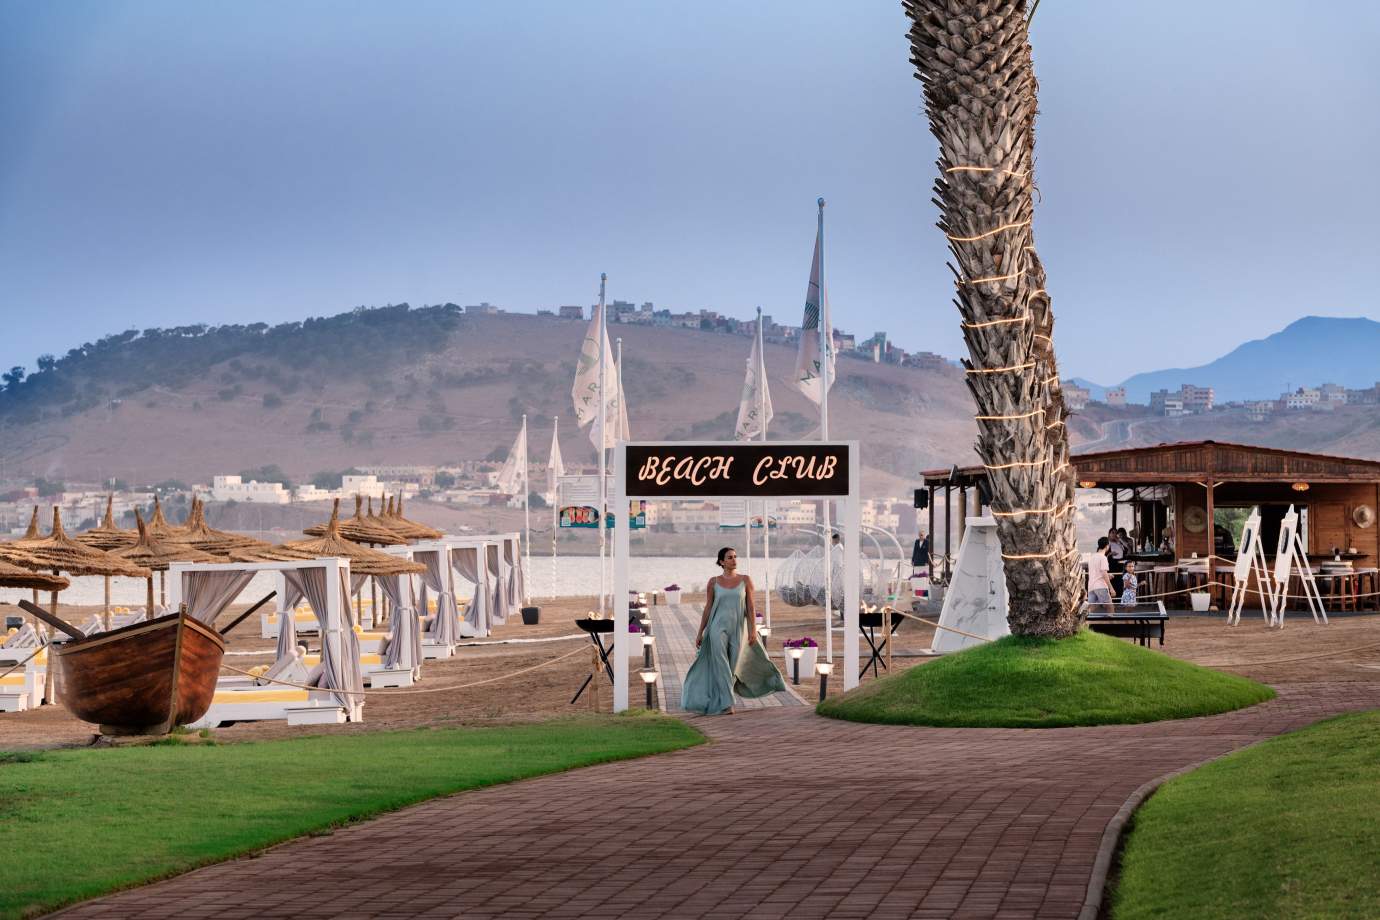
(1099, 577)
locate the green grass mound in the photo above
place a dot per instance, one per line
(76, 824)
(1088, 679)
(1286, 828)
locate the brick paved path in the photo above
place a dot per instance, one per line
(675, 626)
(785, 814)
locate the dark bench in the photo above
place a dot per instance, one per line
(1141, 622)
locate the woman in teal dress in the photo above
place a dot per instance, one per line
(730, 658)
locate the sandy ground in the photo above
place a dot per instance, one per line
(1347, 649)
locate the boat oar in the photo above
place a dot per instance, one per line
(57, 622)
(244, 616)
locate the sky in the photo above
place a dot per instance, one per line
(1206, 171)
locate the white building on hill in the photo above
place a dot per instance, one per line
(234, 489)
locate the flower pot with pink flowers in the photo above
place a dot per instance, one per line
(672, 593)
(809, 654)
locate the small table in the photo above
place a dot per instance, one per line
(1141, 622)
(868, 624)
(595, 628)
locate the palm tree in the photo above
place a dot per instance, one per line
(973, 57)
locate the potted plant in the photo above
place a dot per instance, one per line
(809, 653)
(634, 638)
(672, 593)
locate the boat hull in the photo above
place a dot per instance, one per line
(142, 679)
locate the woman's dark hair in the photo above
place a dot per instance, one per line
(722, 553)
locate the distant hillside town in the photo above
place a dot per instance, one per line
(1191, 399)
(877, 348)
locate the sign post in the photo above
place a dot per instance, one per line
(739, 469)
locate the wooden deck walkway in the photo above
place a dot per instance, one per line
(674, 627)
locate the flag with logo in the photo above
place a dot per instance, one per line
(589, 381)
(754, 406)
(513, 476)
(808, 367)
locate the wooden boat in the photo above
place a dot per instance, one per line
(142, 679)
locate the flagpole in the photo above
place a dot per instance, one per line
(526, 517)
(555, 501)
(761, 372)
(619, 433)
(603, 439)
(825, 349)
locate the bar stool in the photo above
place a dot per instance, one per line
(1163, 580)
(1366, 588)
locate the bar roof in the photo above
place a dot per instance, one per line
(1193, 461)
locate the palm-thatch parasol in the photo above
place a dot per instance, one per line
(157, 555)
(14, 576)
(61, 553)
(362, 530)
(394, 517)
(387, 523)
(159, 526)
(107, 536)
(363, 561)
(202, 536)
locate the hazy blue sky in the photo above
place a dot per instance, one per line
(1208, 170)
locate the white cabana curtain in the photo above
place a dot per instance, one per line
(339, 671)
(404, 638)
(498, 611)
(287, 632)
(512, 555)
(445, 628)
(465, 560)
(206, 594)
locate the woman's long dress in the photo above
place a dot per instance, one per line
(725, 662)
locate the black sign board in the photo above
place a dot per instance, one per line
(740, 470)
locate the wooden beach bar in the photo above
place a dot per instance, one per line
(1180, 501)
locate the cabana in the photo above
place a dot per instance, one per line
(1190, 496)
(209, 588)
(443, 633)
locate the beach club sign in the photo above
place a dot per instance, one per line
(830, 471)
(749, 469)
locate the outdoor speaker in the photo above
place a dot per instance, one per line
(984, 491)
(922, 498)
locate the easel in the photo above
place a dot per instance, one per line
(1251, 561)
(1291, 552)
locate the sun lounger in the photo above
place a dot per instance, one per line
(22, 689)
(306, 623)
(257, 699)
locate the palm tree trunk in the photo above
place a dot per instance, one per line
(974, 59)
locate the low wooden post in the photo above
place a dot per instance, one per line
(594, 679)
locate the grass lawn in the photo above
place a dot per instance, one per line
(1089, 679)
(1287, 828)
(78, 823)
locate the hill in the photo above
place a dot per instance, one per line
(397, 385)
(1308, 352)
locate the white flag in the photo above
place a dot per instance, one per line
(555, 467)
(513, 476)
(615, 414)
(588, 386)
(754, 408)
(808, 370)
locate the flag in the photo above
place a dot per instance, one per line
(808, 370)
(615, 414)
(555, 467)
(754, 407)
(513, 476)
(588, 386)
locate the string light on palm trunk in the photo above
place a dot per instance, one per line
(993, 232)
(1000, 370)
(987, 169)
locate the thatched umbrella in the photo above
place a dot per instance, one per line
(200, 535)
(363, 561)
(159, 526)
(14, 576)
(268, 553)
(157, 555)
(394, 518)
(362, 530)
(107, 536)
(60, 553)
